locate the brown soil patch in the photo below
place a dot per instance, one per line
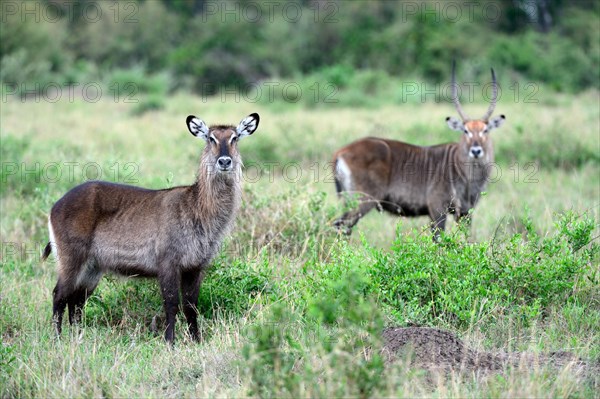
(434, 349)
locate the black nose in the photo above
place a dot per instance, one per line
(224, 162)
(476, 152)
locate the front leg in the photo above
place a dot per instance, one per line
(190, 288)
(465, 219)
(169, 286)
(437, 226)
(437, 213)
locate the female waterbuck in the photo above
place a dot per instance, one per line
(171, 234)
(410, 180)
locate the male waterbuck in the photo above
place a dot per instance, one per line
(171, 234)
(410, 180)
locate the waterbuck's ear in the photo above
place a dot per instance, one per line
(248, 125)
(455, 124)
(197, 127)
(496, 122)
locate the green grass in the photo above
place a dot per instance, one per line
(290, 308)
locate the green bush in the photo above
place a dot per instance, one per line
(127, 35)
(131, 81)
(231, 288)
(32, 49)
(344, 327)
(124, 303)
(335, 86)
(549, 58)
(211, 51)
(148, 104)
(457, 280)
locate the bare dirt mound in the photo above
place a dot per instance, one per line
(433, 349)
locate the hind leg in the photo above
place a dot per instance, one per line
(76, 302)
(348, 220)
(61, 295)
(75, 305)
(77, 279)
(87, 280)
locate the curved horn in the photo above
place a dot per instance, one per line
(494, 97)
(455, 100)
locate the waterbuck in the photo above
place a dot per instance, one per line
(171, 234)
(410, 180)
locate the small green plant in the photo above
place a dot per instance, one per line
(272, 354)
(577, 229)
(343, 327)
(7, 358)
(232, 288)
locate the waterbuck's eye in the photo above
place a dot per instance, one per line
(213, 140)
(466, 131)
(233, 139)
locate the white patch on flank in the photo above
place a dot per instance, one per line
(344, 174)
(52, 239)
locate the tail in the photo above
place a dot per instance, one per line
(47, 252)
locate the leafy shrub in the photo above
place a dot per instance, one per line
(455, 281)
(123, 303)
(340, 357)
(232, 287)
(127, 35)
(137, 80)
(338, 85)
(549, 58)
(149, 103)
(31, 49)
(289, 225)
(7, 362)
(272, 355)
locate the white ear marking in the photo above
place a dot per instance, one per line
(197, 127)
(455, 124)
(496, 122)
(248, 125)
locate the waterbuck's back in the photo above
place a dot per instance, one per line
(393, 170)
(124, 229)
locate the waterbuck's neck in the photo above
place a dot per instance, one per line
(216, 195)
(473, 171)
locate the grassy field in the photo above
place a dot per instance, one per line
(289, 307)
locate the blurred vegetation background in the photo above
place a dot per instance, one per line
(205, 46)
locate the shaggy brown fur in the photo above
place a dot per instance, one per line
(409, 180)
(170, 234)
